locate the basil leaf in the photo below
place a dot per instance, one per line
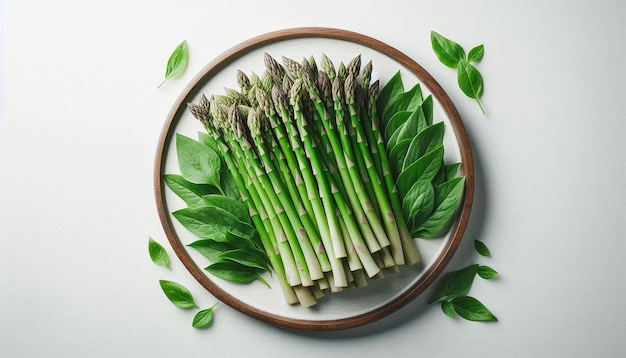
(177, 63)
(198, 163)
(396, 121)
(235, 207)
(470, 81)
(447, 308)
(418, 203)
(233, 272)
(246, 258)
(404, 102)
(209, 141)
(476, 54)
(177, 294)
(427, 109)
(452, 170)
(425, 141)
(203, 318)
(448, 51)
(456, 283)
(227, 181)
(424, 168)
(481, 248)
(472, 309)
(158, 254)
(189, 192)
(397, 155)
(487, 272)
(409, 129)
(209, 222)
(211, 249)
(448, 197)
(391, 89)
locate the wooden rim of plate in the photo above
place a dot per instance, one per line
(210, 70)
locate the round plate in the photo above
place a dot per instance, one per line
(351, 307)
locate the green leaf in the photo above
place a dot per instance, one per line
(177, 294)
(246, 258)
(209, 222)
(470, 81)
(209, 141)
(233, 272)
(448, 51)
(456, 283)
(418, 203)
(158, 254)
(203, 318)
(406, 101)
(472, 309)
(198, 163)
(447, 308)
(448, 198)
(211, 249)
(425, 141)
(481, 248)
(227, 181)
(235, 207)
(424, 168)
(452, 170)
(427, 109)
(409, 129)
(177, 63)
(487, 272)
(396, 121)
(397, 155)
(476, 54)
(189, 192)
(391, 89)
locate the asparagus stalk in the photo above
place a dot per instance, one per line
(309, 267)
(325, 112)
(388, 217)
(364, 201)
(261, 220)
(307, 229)
(307, 156)
(411, 253)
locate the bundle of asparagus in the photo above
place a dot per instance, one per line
(304, 147)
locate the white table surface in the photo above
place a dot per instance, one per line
(79, 126)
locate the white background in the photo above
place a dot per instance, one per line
(79, 126)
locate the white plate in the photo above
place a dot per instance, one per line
(351, 307)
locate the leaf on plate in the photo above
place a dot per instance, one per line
(198, 163)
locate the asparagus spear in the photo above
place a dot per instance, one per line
(388, 216)
(308, 265)
(261, 220)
